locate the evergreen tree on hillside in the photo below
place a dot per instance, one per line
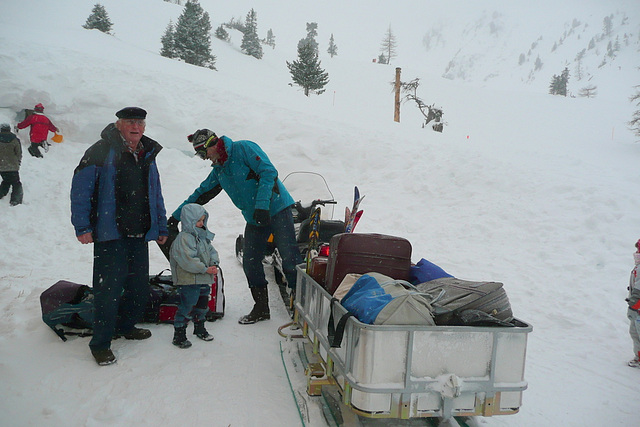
(222, 34)
(168, 49)
(192, 36)
(634, 124)
(271, 39)
(310, 39)
(306, 71)
(333, 49)
(250, 40)
(558, 85)
(99, 19)
(388, 46)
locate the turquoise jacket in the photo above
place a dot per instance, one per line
(248, 177)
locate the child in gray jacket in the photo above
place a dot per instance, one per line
(194, 263)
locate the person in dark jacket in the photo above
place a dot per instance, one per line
(39, 131)
(117, 204)
(10, 159)
(246, 174)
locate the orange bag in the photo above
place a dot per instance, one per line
(57, 137)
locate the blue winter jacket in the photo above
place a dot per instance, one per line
(93, 189)
(248, 177)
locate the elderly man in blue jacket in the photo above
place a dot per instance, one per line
(117, 204)
(246, 174)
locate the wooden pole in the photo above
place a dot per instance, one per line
(396, 115)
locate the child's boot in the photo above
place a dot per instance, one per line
(201, 332)
(180, 337)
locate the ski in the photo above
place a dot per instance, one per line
(356, 219)
(314, 234)
(357, 199)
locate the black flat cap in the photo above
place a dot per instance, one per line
(132, 113)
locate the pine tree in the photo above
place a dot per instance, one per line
(333, 49)
(312, 32)
(271, 39)
(168, 42)
(558, 85)
(192, 36)
(388, 46)
(99, 19)
(306, 71)
(634, 124)
(250, 40)
(222, 34)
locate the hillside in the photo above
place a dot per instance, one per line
(533, 190)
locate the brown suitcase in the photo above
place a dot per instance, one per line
(366, 252)
(318, 270)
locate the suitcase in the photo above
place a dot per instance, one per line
(318, 269)
(367, 252)
(456, 295)
(164, 299)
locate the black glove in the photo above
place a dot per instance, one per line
(261, 217)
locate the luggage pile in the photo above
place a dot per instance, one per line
(367, 272)
(67, 307)
(389, 339)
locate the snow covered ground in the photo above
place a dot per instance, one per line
(533, 190)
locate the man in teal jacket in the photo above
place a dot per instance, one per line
(246, 174)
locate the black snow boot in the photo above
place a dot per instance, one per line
(260, 309)
(201, 332)
(34, 150)
(180, 337)
(16, 194)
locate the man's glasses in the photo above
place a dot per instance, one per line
(202, 154)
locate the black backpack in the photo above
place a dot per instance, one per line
(67, 308)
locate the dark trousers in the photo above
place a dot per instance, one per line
(256, 247)
(120, 288)
(11, 180)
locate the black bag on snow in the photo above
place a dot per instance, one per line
(67, 308)
(164, 299)
(451, 296)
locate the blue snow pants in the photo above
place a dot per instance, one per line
(194, 300)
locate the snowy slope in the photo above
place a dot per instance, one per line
(522, 187)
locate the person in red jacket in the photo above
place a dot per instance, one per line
(40, 127)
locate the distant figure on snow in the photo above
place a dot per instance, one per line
(633, 313)
(40, 127)
(10, 159)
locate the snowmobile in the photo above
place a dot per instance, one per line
(310, 190)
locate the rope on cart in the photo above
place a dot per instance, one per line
(283, 335)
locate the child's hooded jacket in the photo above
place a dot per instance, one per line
(192, 252)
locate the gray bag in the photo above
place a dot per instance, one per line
(408, 306)
(451, 296)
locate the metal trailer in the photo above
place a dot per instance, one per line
(410, 372)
